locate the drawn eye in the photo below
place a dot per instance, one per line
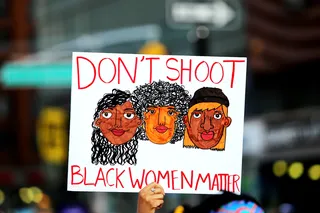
(151, 111)
(171, 112)
(196, 115)
(129, 115)
(217, 116)
(107, 114)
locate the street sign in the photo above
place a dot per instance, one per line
(215, 14)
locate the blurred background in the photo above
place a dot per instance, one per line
(281, 38)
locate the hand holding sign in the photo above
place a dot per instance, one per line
(150, 198)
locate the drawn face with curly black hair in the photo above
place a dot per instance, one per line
(115, 129)
(162, 106)
(118, 124)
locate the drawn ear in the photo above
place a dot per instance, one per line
(176, 115)
(185, 119)
(139, 122)
(97, 122)
(227, 121)
(145, 115)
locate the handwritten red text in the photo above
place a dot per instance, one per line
(116, 67)
(117, 70)
(173, 179)
(210, 71)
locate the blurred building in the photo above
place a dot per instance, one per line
(111, 26)
(16, 150)
(16, 37)
(283, 34)
(284, 53)
(284, 56)
(290, 165)
(5, 30)
(69, 25)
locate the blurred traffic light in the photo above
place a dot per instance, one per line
(52, 135)
(26, 195)
(37, 194)
(179, 209)
(280, 168)
(154, 48)
(45, 203)
(31, 195)
(314, 172)
(296, 170)
(2, 197)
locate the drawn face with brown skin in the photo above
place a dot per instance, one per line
(118, 124)
(206, 123)
(160, 123)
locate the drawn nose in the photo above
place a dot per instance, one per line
(118, 120)
(206, 124)
(161, 117)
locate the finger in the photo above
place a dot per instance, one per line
(155, 197)
(161, 188)
(150, 186)
(159, 207)
(157, 191)
(158, 188)
(156, 203)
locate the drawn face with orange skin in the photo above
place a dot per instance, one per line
(206, 124)
(118, 124)
(160, 123)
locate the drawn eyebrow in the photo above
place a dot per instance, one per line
(171, 108)
(219, 111)
(128, 109)
(107, 109)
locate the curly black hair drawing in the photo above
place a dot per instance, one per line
(115, 130)
(162, 106)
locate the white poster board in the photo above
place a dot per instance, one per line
(138, 119)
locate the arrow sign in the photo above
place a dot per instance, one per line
(217, 14)
(222, 14)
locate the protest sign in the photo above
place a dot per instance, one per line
(138, 119)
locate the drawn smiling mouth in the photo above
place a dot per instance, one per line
(207, 136)
(118, 132)
(161, 129)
